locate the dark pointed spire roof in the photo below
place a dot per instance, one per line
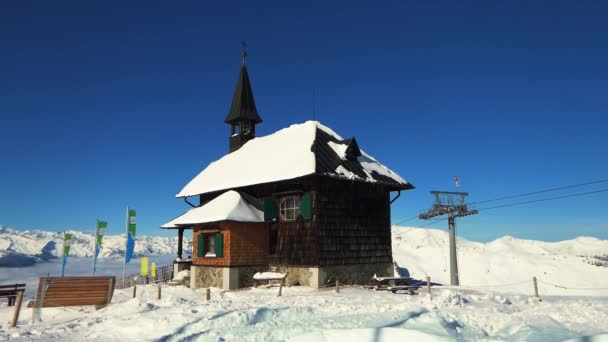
(243, 104)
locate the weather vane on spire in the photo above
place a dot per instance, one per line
(244, 51)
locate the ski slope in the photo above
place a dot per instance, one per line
(508, 260)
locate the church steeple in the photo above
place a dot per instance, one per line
(243, 115)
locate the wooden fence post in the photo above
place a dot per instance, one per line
(428, 287)
(158, 293)
(37, 311)
(17, 309)
(134, 291)
(337, 286)
(208, 294)
(281, 287)
(536, 289)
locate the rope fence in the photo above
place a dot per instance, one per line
(573, 288)
(164, 274)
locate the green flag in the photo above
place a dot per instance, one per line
(101, 229)
(132, 221)
(67, 242)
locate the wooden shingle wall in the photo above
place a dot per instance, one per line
(352, 223)
(245, 244)
(296, 244)
(248, 244)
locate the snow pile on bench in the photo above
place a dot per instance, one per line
(181, 278)
(269, 276)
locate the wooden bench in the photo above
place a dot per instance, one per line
(383, 283)
(10, 292)
(73, 291)
(270, 276)
(411, 290)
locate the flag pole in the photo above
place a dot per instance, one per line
(124, 270)
(95, 250)
(63, 256)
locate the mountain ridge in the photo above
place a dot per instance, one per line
(26, 247)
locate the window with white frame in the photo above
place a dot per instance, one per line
(209, 245)
(289, 208)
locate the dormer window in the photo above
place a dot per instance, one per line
(352, 151)
(289, 208)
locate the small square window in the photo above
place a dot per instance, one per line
(289, 208)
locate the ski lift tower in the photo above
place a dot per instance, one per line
(451, 204)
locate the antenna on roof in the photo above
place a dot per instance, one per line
(244, 51)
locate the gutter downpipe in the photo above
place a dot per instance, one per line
(394, 199)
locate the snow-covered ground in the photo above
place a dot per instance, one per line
(304, 314)
(486, 307)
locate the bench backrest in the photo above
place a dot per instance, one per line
(74, 291)
(12, 287)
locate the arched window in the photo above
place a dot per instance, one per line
(289, 208)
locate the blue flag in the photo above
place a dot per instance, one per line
(130, 235)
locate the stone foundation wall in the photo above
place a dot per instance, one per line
(230, 278)
(205, 276)
(360, 274)
(296, 275)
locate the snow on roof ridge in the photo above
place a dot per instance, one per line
(231, 176)
(286, 154)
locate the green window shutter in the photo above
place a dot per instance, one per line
(219, 245)
(200, 245)
(271, 211)
(306, 207)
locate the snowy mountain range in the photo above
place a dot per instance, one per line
(577, 263)
(24, 248)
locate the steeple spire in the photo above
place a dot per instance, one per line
(243, 114)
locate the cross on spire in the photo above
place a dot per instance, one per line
(244, 51)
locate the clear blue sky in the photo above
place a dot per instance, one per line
(104, 105)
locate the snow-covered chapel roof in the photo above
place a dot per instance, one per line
(229, 206)
(299, 150)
